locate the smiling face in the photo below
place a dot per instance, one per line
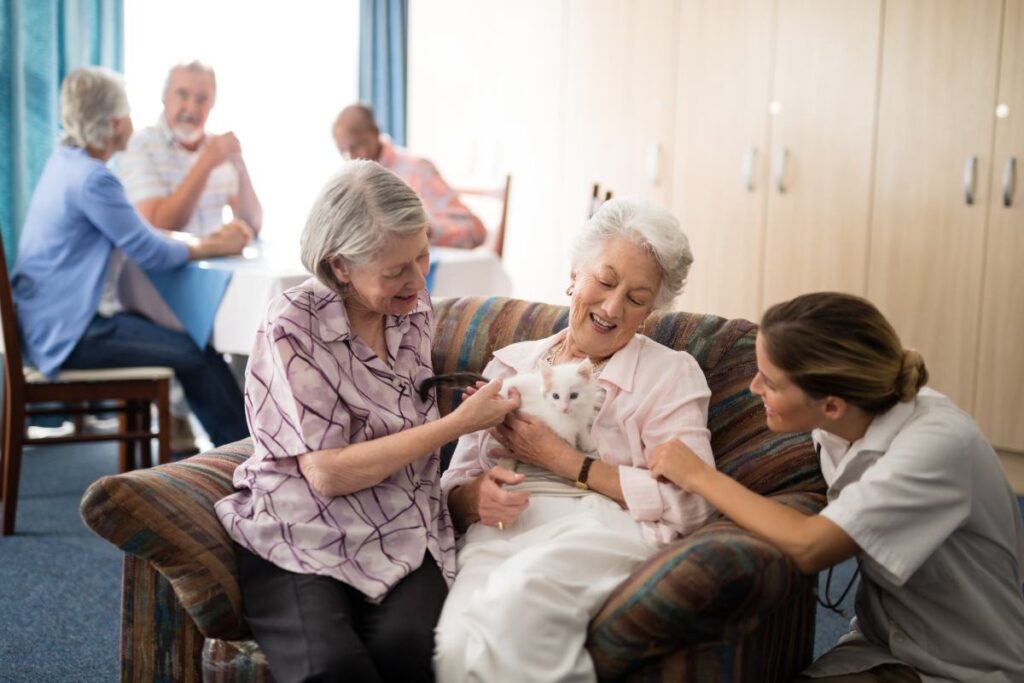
(787, 407)
(390, 283)
(612, 297)
(187, 103)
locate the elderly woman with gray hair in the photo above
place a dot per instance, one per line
(345, 547)
(547, 541)
(78, 230)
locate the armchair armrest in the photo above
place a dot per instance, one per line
(715, 585)
(165, 515)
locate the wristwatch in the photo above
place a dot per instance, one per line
(581, 478)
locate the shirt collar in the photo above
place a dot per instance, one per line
(388, 156)
(620, 371)
(837, 453)
(333, 317)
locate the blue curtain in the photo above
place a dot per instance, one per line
(383, 32)
(40, 42)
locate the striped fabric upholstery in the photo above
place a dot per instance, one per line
(719, 605)
(165, 515)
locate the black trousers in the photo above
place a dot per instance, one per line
(315, 628)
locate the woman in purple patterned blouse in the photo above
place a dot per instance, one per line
(344, 543)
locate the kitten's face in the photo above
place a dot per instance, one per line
(568, 387)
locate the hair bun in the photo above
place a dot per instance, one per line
(913, 375)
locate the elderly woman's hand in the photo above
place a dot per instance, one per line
(485, 408)
(529, 440)
(673, 460)
(483, 499)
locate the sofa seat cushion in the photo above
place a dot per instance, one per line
(165, 515)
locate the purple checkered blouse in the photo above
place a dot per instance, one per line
(312, 384)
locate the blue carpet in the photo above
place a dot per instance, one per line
(60, 584)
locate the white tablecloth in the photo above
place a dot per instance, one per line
(264, 271)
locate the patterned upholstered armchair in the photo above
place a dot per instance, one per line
(719, 605)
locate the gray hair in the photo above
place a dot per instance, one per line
(357, 213)
(195, 66)
(646, 225)
(90, 99)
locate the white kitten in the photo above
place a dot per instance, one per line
(563, 396)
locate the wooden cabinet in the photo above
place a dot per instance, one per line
(939, 69)
(876, 116)
(822, 133)
(617, 112)
(774, 131)
(999, 396)
(722, 90)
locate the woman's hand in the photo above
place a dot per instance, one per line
(529, 440)
(673, 460)
(484, 499)
(484, 408)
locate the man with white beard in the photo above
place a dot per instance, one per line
(180, 177)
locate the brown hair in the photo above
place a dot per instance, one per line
(832, 344)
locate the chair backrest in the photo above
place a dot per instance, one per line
(598, 198)
(496, 232)
(14, 377)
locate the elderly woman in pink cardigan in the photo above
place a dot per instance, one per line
(548, 539)
(344, 544)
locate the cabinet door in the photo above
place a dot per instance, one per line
(939, 60)
(822, 140)
(617, 127)
(1000, 390)
(722, 85)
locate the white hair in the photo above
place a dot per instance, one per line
(90, 99)
(195, 66)
(646, 225)
(355, 216)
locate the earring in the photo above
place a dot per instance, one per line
(570, 289)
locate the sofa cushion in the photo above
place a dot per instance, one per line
(165, 515)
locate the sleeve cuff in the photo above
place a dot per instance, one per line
(643, 499)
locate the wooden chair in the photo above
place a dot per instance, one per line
(127, 391)
(596, 200)
(496, 233)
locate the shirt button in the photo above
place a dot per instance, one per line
(899, 637)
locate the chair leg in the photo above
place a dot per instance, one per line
(126, 448)
(144, 422)
(14, 434)
(163, 412)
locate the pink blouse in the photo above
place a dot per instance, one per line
(655, 394)
(311, 384)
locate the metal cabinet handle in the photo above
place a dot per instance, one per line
(970, 173)
(780, 169)
(1009, 181)
(747, 168)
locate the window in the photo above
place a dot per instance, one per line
(284, 71)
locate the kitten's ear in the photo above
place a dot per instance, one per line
(547, 375)
(585, 369)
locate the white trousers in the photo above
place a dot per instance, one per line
(523, 597)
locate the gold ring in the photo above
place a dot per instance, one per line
(501, 526)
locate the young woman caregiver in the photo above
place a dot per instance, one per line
(915, 493)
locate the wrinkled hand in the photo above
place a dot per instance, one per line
(675, 461)
(485, 408)
(493, 503)
(529, 440)
(221, 148)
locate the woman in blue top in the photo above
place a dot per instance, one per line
(79, 229)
